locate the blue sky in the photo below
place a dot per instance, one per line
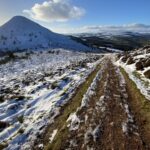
(88, 12)
(116, 12)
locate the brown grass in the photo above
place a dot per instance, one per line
(3, 146)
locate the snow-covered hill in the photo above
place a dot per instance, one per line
(118, 40)
(21, 33)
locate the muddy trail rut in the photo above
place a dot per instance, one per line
(105, 119)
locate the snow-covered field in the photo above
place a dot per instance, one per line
(33, 89)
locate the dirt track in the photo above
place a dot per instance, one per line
(107, 122)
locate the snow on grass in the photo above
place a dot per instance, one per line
(73, 119)
(137, 76)
(92, 134)
(88, 135)
(101, 104)
(75, 122)
(41, 146)
(128, 124)
(125, 127)
(91, 90)
(96, 133)
(46, 82)
(53, 135)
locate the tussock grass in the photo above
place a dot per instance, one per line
(10, 56)
(54, 85)
(1, 99)
(139, 76)
(20, 119)
(3, 146)
(21, 131)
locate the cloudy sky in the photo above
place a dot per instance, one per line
(81, 15)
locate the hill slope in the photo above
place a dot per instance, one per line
(21, 33)
(120, 40)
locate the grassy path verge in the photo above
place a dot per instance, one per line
(140, 107)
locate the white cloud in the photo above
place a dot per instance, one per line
(55, 11)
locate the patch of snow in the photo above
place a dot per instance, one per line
(75, 122)
(53, 136)
(125, 127)
(41, 146)
(96, 133)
